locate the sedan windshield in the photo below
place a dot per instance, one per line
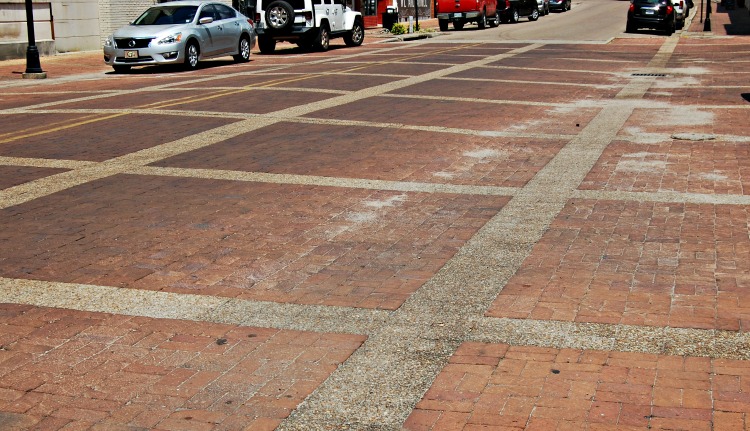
(165, 15)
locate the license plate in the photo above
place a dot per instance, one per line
(458, 15)
(131, 54)
(649, 12)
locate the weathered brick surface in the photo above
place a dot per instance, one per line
(496, 386)
(376, 153)
(155, 374)
(14, 175)
(353, 247)
(636, 263)
(712, 167)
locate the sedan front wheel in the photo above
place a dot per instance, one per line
(192, 52)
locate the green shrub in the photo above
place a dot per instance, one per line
(399, 28)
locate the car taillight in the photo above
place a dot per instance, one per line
(632, 7)
(257, 17)
(682, 4)
(249, 21)
(308, 16)
(507, 4)
(669, 9)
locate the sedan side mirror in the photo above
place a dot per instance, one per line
(206, 20)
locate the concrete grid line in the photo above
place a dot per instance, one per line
(383, 380)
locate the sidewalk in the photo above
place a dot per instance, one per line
(723, 22)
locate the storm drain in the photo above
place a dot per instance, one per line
(657, 75)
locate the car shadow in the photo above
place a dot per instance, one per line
(283, 48)
(174, 68)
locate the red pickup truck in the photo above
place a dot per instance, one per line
(459, 12)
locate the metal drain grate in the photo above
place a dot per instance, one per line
(658, 75)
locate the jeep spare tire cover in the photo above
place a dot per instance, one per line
(279, 15)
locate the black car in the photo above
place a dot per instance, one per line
(561, 5)
(513, 10)
(655, 14)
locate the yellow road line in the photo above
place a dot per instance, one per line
(26, 133)
(55, 129)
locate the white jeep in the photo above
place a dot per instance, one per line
(308, 23)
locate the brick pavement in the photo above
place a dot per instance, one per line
(309, 242)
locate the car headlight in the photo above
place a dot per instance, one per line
(172, 38)
(109, 42)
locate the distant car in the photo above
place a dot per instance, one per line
(682, 10)
(653, 14)
(561, 5)
(180, 32)
(543, 6)
(513, 10)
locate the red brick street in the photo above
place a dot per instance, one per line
(336, 240)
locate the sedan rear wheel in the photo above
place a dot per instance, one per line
(192, 52)
(534, 15)
(514, 17)
(243, 50)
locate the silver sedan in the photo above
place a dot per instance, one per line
(181, 32)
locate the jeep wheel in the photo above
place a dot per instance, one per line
(534, 15)
(243, 50)
(514, 17)
(495, 21)
(192, 52)
(443, 23)
(266, 44)
(458, 25)
(279, 15)
(482, 21)
(356, 36)
(324, 38)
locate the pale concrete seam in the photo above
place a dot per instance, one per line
(379, 385)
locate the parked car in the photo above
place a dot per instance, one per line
(458, 12)
(682, 11)
(308, 23)
(653, 14)
(180, 32)
(513, 10)
(543, 6)
(561, 5)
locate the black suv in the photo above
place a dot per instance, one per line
(655, 14)
(513, 10)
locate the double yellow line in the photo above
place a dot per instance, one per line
(63, 125)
